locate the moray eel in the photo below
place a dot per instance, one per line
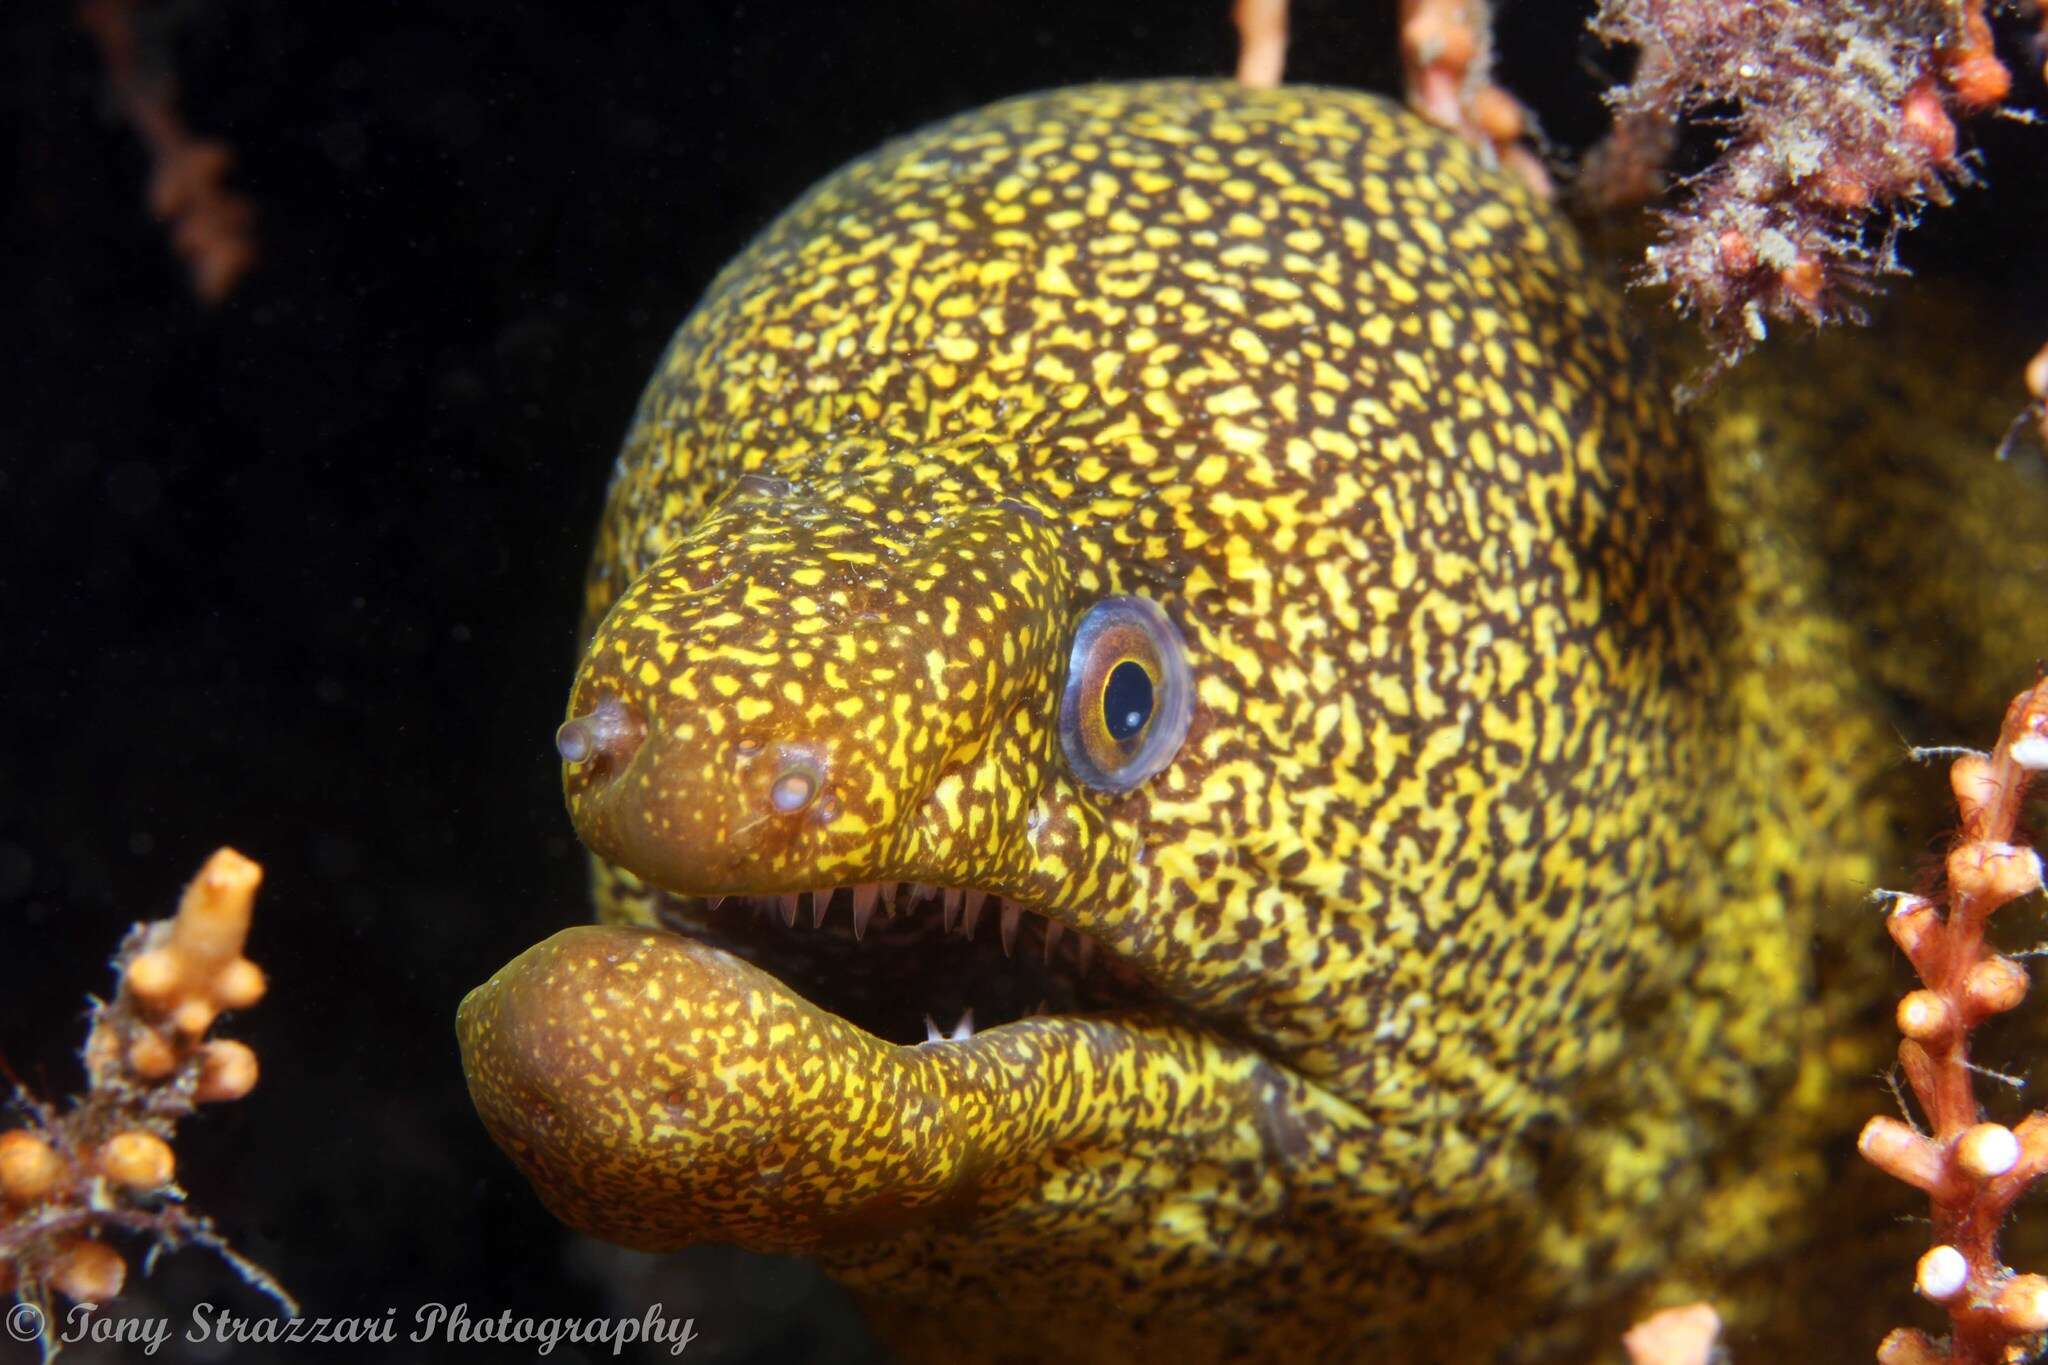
(1184, 759)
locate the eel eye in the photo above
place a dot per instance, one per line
(1129, 696)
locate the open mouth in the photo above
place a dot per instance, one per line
(804, 1068)
(912, 963)
(756, 1072)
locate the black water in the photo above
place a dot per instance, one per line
(300, 573)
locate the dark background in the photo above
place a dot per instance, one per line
(300, 573)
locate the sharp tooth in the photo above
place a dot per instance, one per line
(931, 1031)
(787, 903)
(920, 893)
(713, 902)
(864, 897)
(821, 901)
(952, 907)
(889, 890)
(861, 915)
(1084, 952)
(1011, 914)
(1053, 930)
(963, 1030)
(974, 904)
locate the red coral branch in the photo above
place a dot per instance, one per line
(1688, 1335)
(1971, 1170)
(1261, 42)
(2035, 414)
(1626, 168)
(1840, 124)
(212, 227)
(1447, 57)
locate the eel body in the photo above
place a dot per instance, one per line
(1207, 581)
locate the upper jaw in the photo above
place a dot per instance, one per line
(857, 860)
(908, 961)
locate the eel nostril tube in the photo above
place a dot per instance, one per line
(796, 785)
(608, 729)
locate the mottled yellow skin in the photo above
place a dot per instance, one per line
(1476, 909)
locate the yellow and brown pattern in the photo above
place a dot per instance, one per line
(1419, 999)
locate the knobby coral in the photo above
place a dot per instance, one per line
(1447, 63)
(2035, 414)
(72, 1179)
(1971, 1169)
(1261, 42)
(212, 227)
(1837, 123)
(1687, 1335)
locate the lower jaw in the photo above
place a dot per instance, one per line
(660, 1091)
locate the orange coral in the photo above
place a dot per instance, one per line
(1972, 1170)
(212, 227)
(107, 1164)
(2035, 414)
(1838, 119)
(1447, 56)
(195, 969)
(1261, 42)
(1688, 1335)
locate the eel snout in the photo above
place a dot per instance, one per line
(798, 695)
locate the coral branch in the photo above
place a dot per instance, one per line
(1261, 42)
(1447, 57)
(1971, 1170)
(212, 227)
(2035, 414)
(1839, 120)
(1675, 1336)
(107, 1164)
(1626, 168)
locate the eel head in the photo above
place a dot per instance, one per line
(903, 812)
